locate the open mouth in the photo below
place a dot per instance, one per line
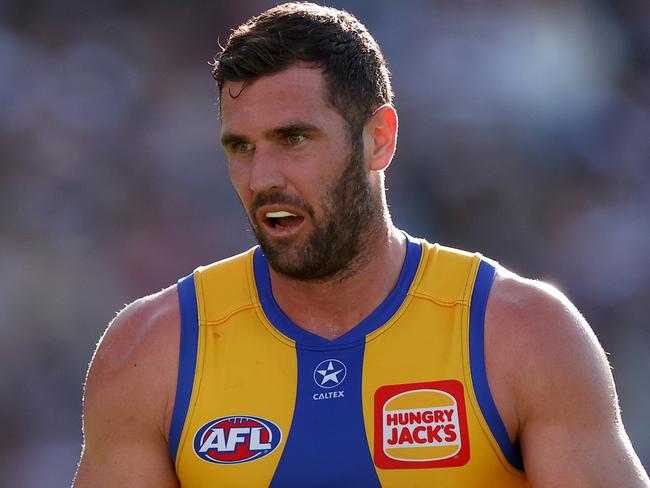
(282, 222)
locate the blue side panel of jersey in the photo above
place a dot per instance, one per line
(327, 443)
(189, 340)
(482, 286)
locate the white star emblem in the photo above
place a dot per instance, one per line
(327, 373)
(327, 376)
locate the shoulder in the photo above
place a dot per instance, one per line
(541, 351)
(524, 310)
(134, 366)
(137, 324)
(537, 322)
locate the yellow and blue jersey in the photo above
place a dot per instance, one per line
(402, 399)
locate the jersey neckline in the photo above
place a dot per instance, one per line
(378, 317)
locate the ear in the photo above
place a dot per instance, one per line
(380, 137)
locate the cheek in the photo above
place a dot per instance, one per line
(234, 170)
(239, 181)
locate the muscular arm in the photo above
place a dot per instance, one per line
(128, 399)
(554, 388)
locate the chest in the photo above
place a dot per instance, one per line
(393, 409)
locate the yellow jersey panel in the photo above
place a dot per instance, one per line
(421, 414)
(244, 375)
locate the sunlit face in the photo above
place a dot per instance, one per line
(303, 184)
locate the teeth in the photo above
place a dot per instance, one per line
(278, 214)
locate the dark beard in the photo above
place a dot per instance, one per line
(349, 208)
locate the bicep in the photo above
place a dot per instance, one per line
(574, 436)
(559, 454)
(124, 464)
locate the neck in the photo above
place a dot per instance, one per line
(333, 306)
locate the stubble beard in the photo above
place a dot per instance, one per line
(336, 244)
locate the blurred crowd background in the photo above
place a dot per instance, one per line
(524, 133)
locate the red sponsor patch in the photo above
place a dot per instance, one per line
(421, 425)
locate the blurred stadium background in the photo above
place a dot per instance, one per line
(525, 133)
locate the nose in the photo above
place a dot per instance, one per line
(265, 171)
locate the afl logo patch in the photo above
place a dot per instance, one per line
(421, 425)
(232, 440)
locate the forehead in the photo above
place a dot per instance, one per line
(297, 94)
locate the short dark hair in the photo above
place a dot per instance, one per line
(356, 75)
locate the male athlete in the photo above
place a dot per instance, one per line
(342, 351)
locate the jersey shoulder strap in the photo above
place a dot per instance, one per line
(447, 274)
(225, 287)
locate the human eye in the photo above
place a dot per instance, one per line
(294, 139)
(241, 147)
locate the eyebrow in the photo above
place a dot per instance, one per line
(285, 130)
(228, 139)
(292, 128)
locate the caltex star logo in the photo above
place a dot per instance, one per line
(330, 373)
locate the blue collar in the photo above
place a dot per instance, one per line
(372, 322)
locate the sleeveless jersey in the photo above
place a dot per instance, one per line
(400, 400)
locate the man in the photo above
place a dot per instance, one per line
(342, 352)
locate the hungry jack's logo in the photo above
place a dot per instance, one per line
(421, 425)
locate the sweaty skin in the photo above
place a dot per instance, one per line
(548, 374)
